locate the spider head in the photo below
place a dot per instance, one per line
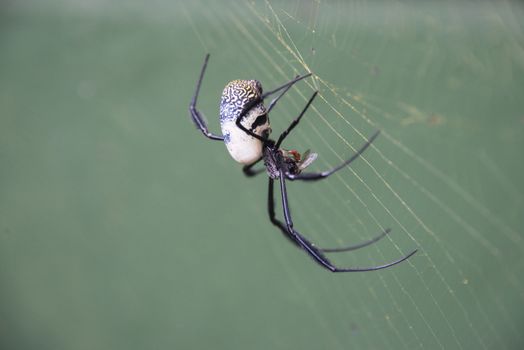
(295, 162)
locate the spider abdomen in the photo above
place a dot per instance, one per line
(237, 96)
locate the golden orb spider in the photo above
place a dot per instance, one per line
(245, 128)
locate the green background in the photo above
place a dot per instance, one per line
(121, 227)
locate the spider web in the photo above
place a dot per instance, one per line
(122, 227)
(441, 302)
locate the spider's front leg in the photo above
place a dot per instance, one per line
(197, 118)
(285, 87)
(317, 176)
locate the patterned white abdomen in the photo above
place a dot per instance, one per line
(237, 95)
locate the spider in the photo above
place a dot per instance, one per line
(245, 128)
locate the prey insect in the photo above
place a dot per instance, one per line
(245, 131)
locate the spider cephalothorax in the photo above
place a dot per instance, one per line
(245, 129)
(287, 161)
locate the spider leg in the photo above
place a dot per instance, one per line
(357, 246)
(282, 227)
(271, 212)
(296, 121)
(275, 100)
(314, 252)
(195, 114)
(247, 169)
(285, 86)
(324, 174)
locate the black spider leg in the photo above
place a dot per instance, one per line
(275, 100)
(255, 102)
(271, 212)
(322, 175)
(282, 227)
(249, 172)
(195, 114)
(356, 246)
(293, 124)
(314, 252)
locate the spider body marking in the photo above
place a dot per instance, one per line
(237, 95)
(245, 131)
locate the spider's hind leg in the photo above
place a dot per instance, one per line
(357, 246)
(316, 253)
(271, 212)
(283, 228)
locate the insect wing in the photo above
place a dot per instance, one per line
(307, 159)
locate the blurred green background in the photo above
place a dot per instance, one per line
(121, 227)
